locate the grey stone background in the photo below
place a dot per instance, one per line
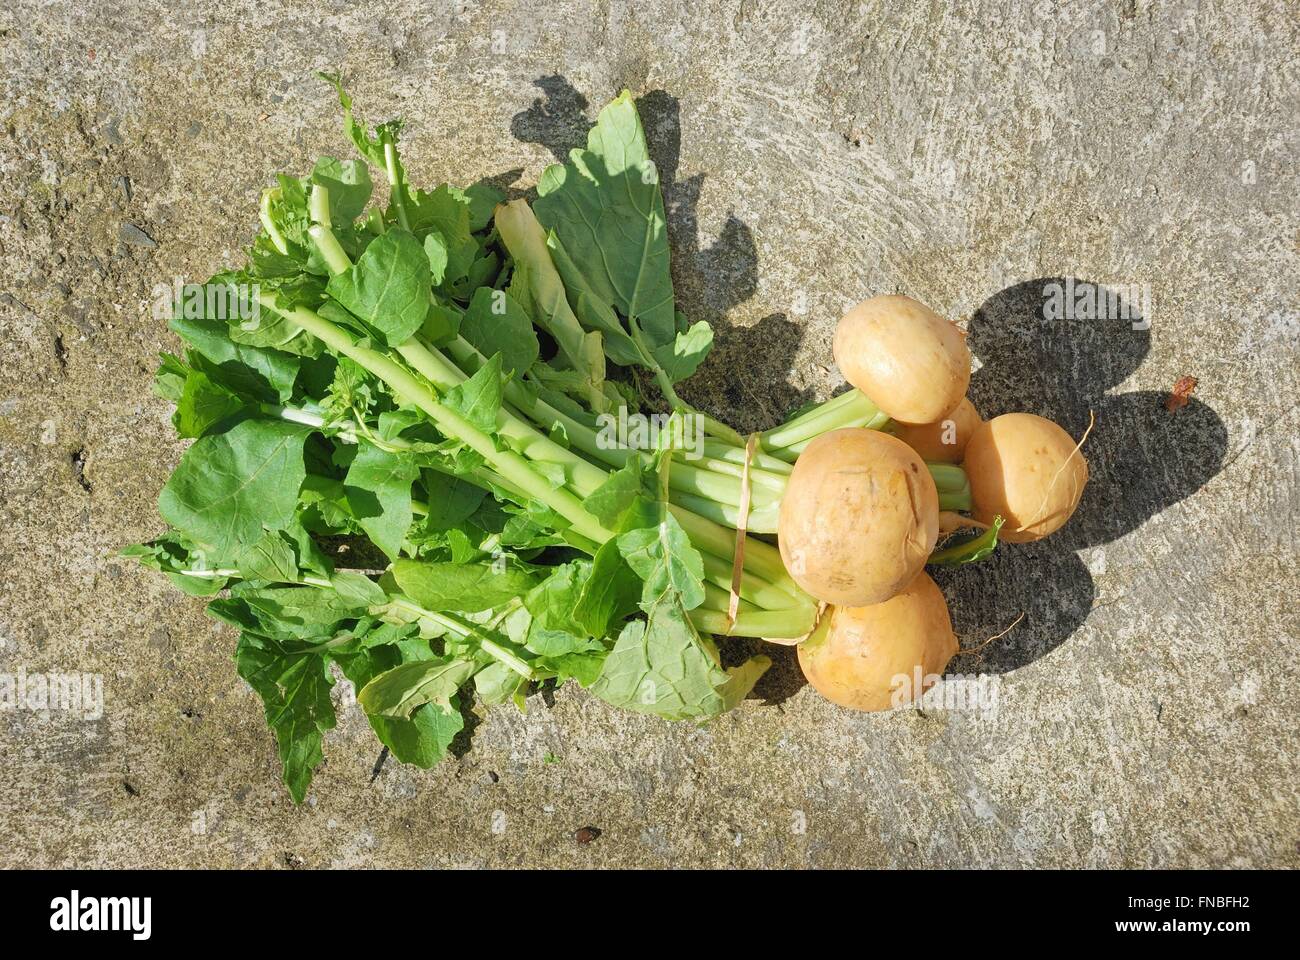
(813, 154)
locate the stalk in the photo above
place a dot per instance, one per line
(509, 464)
(517, 473)
(707, 492)
(778, 624)
(396, 188)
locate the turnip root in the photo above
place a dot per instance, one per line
(911, 362)
(943, 441)
(871, 658)
(1026, 469)
(859, 517)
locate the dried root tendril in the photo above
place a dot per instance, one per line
(997, 636)
(1038, 516)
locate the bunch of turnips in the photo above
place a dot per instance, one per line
(403, 473)
(862, 515)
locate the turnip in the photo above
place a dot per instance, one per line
(910, 361)
(870, 658)
(859, 517)
(1027, 470)
(943, 441)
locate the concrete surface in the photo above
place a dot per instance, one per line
(813, 154)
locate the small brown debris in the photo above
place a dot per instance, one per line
(586, 834)
(264, 117)
(1181, 393)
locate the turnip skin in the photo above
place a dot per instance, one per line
(859, 517)
(1027, 470)
(857, 653)
(927, 439)
(911, 362)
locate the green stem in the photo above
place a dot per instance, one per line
(717, 450)
(818, 410)
(268, 223)
(396, 188)
(509, 464)
(778, 624)
(318, 205)
(336, 260)
(466, 632)
(788, 440)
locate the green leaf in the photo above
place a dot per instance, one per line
(246, 370)
(287, 612)
(481, 274)
(399, 692)
(610, 593)
(388, 288)
(580, 350)
(583, 667)
(970, 549)
(478, 399)
(271, 558)
(680, 358)
(421, 739)
(664, 558)
(357, 590)
(442, 325)
(606, 208)
(169, 380)
(612, 499)
(496, 324)
(372, 148)
(550, 605)
(451, 500)
(480, 199)
(496, 683)
(435, 248)
(378, 488)
(442, 211)
(295, 691)
(593, 312)
(202, 405)
(468, 587)
(664, 667)
(231, 486)
(349, 186)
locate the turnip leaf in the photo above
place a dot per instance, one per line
(399, 692)
(424, 736)
(295, 691)
(970, 549)
(663, 557)
(663, 666)
(495, 323)
(378, 488)
(606, 207)
(231, 486)
(464, 587)
(478, 399)
(388, 288)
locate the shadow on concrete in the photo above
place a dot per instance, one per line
(1142, 458)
